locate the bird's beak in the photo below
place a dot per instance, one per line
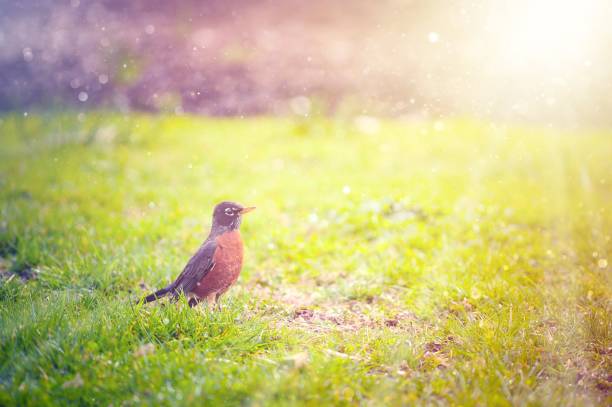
(247, 210)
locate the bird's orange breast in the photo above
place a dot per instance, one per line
(227, 261)
(230, 250)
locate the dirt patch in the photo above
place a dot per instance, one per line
(598, 378)
(436, 354)
(348, 316)
(309, 306)
(10, 270)
(392, 322)
(604, 385)
(304, 313)
(433, 347)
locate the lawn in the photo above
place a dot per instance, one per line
(388, 262)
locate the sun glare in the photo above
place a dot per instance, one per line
(554, 33)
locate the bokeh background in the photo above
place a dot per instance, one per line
(432, 181)
(540, 61)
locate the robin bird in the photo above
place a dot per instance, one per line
(217, 263)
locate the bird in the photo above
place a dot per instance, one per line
(216, 265)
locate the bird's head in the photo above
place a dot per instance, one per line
(228, 215)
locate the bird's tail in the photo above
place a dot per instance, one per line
(158, 294)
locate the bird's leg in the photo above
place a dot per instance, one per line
(217, 297)
(210, 301)
(193, 302)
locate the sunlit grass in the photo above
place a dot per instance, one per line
(411, 263)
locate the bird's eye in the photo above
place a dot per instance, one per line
(229, 211)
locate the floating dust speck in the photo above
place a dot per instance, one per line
(28, 55)
(313, 218)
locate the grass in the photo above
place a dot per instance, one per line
(388, 263)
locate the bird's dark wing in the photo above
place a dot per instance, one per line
(197, 267)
